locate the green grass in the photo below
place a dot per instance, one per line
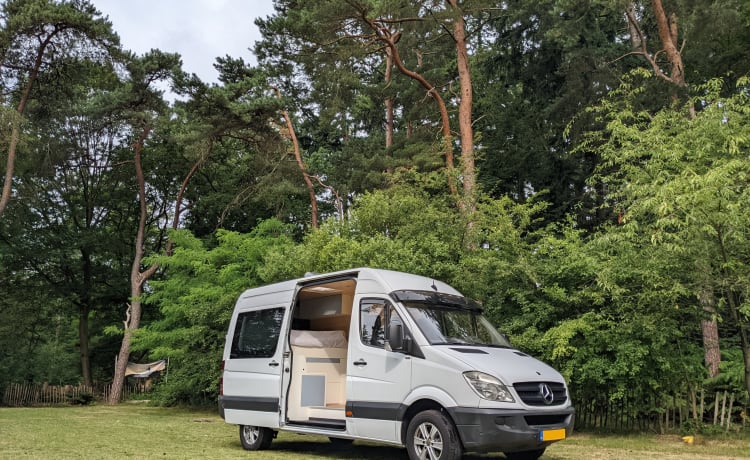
(139, 431)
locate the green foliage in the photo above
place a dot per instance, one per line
(195, 297)
(549, 60)
(241, 180)
(732, 375)
(681, 183)
(83, 398)
(36, 336)
(61, 244)
(400, 229)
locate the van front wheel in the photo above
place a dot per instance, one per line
(432, 436)
(255, 437)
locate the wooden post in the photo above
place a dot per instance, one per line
(729, 412)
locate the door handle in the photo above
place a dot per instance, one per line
(273, 364)
(360, 362)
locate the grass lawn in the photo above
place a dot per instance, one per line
(139, 431)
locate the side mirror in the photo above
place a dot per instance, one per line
(396, 337)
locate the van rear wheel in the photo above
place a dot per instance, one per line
(255, 437)
(432, 436)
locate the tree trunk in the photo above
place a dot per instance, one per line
(83, 341)
(133, 312)
(385, 35)
(138, 278)
(710, 329)
(667, 28)
(84, 309)
(389, 110)
(302, 166)
(464, 110)
(16, 129)
(444, 117)
(636, 40)
(746, 355)
(9, 167)
(742, 326)
(668, 37)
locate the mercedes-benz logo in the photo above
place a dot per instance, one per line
(546, 393)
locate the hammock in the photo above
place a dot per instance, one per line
(142, 371)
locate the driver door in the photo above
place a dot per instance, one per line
(378, 380)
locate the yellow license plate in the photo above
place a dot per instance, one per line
(552, 435)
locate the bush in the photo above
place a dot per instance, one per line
(83, 398)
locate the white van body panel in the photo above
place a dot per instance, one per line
(508, 365)
(441, 379)
(428, 390)
(374, 281)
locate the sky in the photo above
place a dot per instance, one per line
(199, 30)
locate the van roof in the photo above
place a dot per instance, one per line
(388, 280)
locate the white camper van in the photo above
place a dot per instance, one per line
(389, 357)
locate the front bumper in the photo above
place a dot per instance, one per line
(508, 430)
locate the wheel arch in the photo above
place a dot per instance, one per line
(424, 398)
(417, 407)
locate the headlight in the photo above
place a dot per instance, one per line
(488, 387)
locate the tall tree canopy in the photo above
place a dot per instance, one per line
(39, 37)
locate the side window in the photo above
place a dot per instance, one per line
(374, 315)
(257, 333)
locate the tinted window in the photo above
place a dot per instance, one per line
(444, 325)
(373, 315)
(257, 333)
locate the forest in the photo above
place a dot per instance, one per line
(580, 167)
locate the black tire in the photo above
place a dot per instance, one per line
(432, 436)
(255, 437)
(525, 455)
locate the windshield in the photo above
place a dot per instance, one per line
(448, 325)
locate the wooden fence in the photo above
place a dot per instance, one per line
(24, 394)
(664, 414)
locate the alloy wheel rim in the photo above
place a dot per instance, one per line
(251, 434)
(428, 442)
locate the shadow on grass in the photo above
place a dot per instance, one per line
(358, 450)
(329, 450)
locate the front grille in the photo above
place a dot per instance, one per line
(531, 393)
